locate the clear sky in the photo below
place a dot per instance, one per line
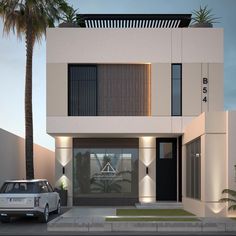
(12, 59)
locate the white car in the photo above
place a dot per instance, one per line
(34, 198)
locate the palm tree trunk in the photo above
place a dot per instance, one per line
(28, 103)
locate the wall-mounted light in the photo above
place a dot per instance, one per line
(147, 170)
(63, 170)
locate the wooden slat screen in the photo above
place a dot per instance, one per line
(123, 90)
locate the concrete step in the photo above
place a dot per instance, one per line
(159, 205)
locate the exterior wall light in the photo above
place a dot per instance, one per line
(63, 170)
(147, 170)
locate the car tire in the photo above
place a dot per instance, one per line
(45, 215)
(5, 219)
(58, 210)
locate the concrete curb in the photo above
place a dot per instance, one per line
(83, 225)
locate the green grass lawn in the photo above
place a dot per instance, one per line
(128, 219)
(152, 212)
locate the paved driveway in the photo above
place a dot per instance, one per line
(26, 226)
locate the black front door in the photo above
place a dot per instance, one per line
(166, 169)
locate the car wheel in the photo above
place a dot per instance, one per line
(45, 215)
(58, 210)
(5, 219)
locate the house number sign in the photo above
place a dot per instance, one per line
(205, 89)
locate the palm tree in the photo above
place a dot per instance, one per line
(231, 198)
(30, 18)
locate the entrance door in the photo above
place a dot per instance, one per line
(166, 169)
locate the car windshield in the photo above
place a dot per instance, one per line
(20, 187)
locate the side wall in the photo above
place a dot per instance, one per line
(211, 128)
(13, 159)
(231, 152)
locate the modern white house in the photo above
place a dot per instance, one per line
(136, 106)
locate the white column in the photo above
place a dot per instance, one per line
(64, 154)
(147, 159)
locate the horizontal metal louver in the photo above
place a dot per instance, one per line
(134, 20)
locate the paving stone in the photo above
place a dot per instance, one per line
(230, 227)
(213, 227)
(133, 226)
(67, 229)
(106, 227)
(98, 219)
(179, 227)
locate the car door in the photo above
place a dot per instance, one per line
(43, 194)
(49, 197)
(52, 196)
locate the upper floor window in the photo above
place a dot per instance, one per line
(82, 90)
(176, 89)
(109, 90)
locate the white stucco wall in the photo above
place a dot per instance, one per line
(211, 128)
(116, 126)
(200, 57)
(64, 158)
(231, 152)
(134, 45)
(147, 159)
(12, 156)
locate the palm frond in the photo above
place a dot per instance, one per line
(16, 14)
(204, 15)
(230, 192)
(231, 208)
(125, 172)
(98, 161)
(96, 189)
(98, 184)
(123, 180)
(227, 200)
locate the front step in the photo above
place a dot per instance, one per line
(160, 205)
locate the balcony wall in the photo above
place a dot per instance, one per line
(115, 126)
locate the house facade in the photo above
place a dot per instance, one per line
(136, 106)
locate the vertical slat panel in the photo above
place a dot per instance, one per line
(123, 90)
